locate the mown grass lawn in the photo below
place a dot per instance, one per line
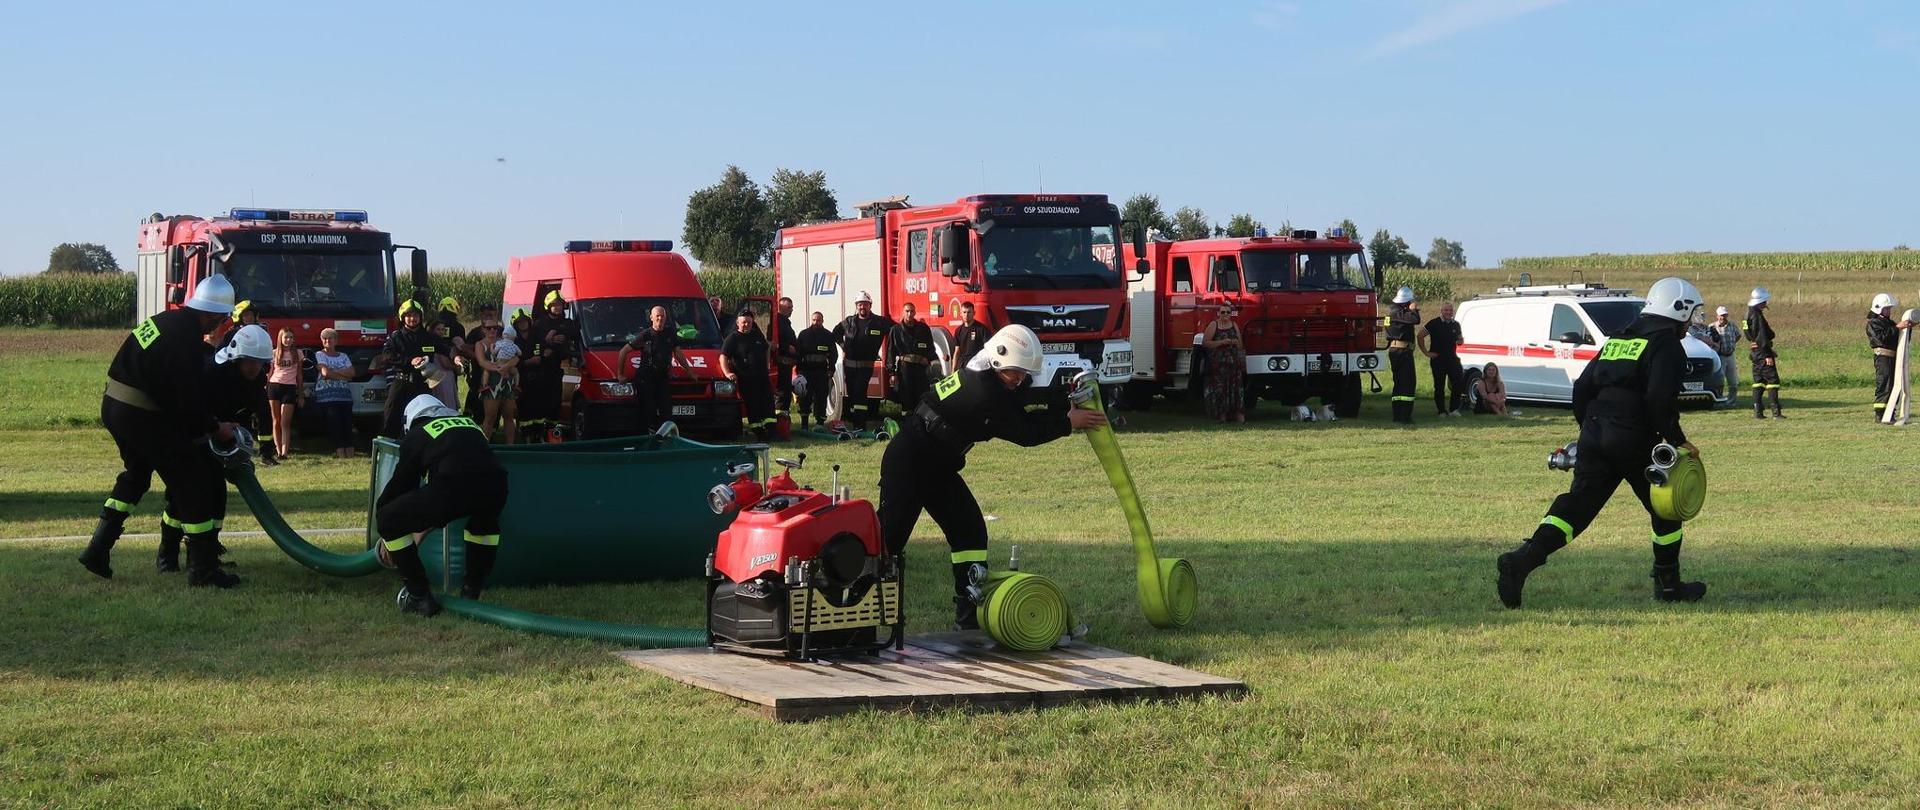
(1346, 575)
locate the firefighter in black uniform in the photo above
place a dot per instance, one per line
(921, 468)
(860, 337)
(910, 345)
(968, 338)
(1626, 401)
(1440, 341)
(156, 409)
(1766, 366)
(743, 359)
(412, 354)
(1883, 336)
(462, 481)
(786, 353)
(817, 356)
(1403, 317)
(558, 339)
(658, 346)
(236, 388)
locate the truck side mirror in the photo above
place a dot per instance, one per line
(1140, 249)
(419, 272)
(956, 253)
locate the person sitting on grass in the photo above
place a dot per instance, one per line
(1490, 392)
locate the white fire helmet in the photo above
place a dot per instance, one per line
(1403, 296)
(863, 298)
(213, 294)
(1760, 296)
(426, 406)
(1885, 301)
(1673, 298)
(248, 341)
(1013, 346)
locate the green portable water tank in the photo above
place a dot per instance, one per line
(608, 510)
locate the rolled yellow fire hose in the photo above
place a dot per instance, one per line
(1685, 491)
(1024, 611)
(1169, 591)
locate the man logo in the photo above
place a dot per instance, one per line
(1059, 309)
(826, 282)
(1058, 323)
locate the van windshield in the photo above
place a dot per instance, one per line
(1612, 317)
(608, 322)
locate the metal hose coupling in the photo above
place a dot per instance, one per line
(1665, 456)
(1566, 457)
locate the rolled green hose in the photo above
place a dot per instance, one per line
(1685, 491)
(635, 635)
(319, 559)
(1024, 611)
(1169, 590)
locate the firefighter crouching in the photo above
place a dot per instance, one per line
(156, 409)
(1403, 317)
(462, 481)
(921, 468)
(1626, 401)
(1883, 336)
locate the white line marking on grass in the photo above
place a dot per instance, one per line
(156, 535)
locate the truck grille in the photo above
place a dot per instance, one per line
(1060, 317)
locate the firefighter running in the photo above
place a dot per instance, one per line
(1883, 337)
(1403, 317)
(462, 481)
(1625, 402)
(860, 337)
(1766, 366)
(155, 407)
(817, 355)
(921, 468)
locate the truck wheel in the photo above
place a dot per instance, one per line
(1138, 396)
(1347, 406)
(1472, 394)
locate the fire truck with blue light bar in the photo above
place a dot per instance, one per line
(611, 287)
(1048, 261)
(1307, 316)
(299, 269)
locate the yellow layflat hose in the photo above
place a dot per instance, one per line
(1024, 611)
(1169, 591)
(1685, 491)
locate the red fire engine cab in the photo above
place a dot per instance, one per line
(1306, 316)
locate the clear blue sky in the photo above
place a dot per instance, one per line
(1518, 127)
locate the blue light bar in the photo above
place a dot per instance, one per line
(349, 216)
(1336, 233)
(248, 213)
(296, 215)
(619, 246)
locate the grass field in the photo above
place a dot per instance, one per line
(1345, 575)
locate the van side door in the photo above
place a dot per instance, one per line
(1567, 336)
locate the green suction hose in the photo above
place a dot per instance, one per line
(1169, 591)
(290, 541)
(1024, 611)
(636, 635)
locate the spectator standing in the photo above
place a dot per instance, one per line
(743, 359)
(1726, 339)
(498, 357)
(910, 345)
(786, 354)
(1440, 341)
(967, 339)
(284, 392)
(817, 356)
(332, 393)
(658, 347)
(447, 326)
(488, 314)
(1226, 367)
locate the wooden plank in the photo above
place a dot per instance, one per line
(937, 670)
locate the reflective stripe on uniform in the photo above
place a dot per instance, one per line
(978, 555)
(118, 505)
(1772, 386)
(1564, 527)
(1403, 399)
(945, 386)
(1666, 539)
(484, 539)
(199, 528)
(398, 543)
(169, 520)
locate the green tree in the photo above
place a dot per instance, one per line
(1242, 225)
(81, 257)
(1145, 209)
(1446, 254)
(1388, 251)
(727, 222)
(796, 196)
(1190, 223)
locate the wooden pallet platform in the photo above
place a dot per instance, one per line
(961, 669)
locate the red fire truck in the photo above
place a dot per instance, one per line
(1043, 260)
(300, 269)
(611, 287)
(1307, 316)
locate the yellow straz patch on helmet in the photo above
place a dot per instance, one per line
(945, 386)
(446, 423)
(1623, 349)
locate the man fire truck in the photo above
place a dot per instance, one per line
(1306, 315)
(299, 269)
(1044, 261)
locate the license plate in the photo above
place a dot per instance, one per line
(1058, 348)
(1696, 386)
(683, 410)
(374, 395)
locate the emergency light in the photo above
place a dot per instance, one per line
(619, 245)
(296, 215)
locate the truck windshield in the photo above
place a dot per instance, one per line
(608, 322)
(333, 283)
(1276, 270)
(1612, 317)
(1066, 257)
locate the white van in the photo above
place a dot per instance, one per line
(1543, 337)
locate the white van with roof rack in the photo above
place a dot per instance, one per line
(1542, 337)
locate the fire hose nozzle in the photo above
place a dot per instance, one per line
(1665, 456)
(1657, 475)
(1566, 457)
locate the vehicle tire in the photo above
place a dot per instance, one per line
(1138, 396)
(1472, 393)
(1347, 405)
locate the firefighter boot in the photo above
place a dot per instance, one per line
(969, 579)
(203, 563)
(167, 561)
(1773, 396)
(479, 566)
(416, 596)
(100, 547)
(1759, 403)
(1514, 566)
(1667, 586)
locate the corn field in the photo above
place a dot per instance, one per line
(67, 300)
(1863, 261)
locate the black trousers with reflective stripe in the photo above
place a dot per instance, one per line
(819, 388)
(478, 498)
(855, 406)
(910, 384)
(921, 472)
(196, 491)
(1611, 450)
